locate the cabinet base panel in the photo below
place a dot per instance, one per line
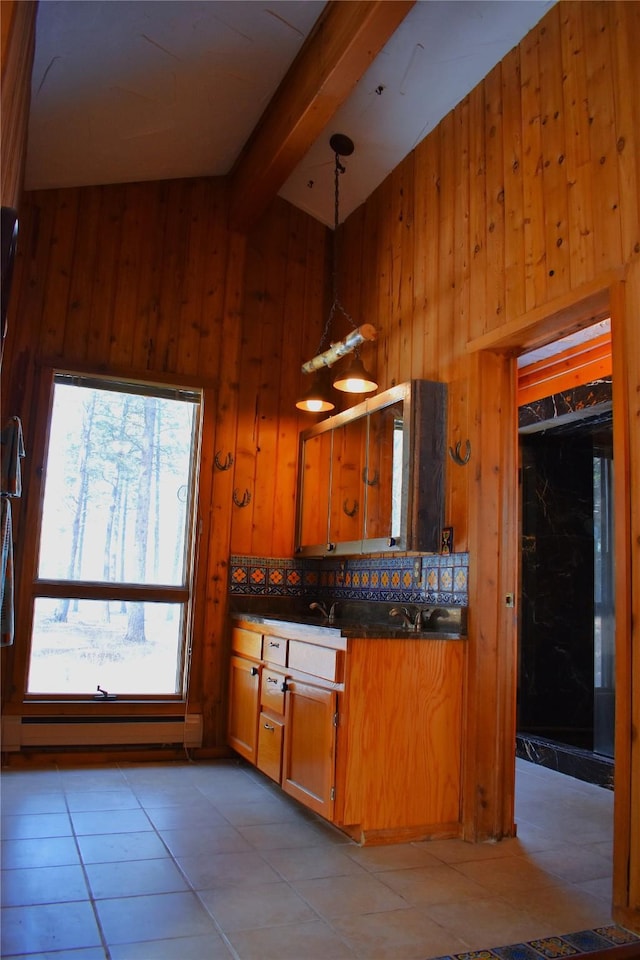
(377, 837)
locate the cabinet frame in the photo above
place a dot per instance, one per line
(424, 419)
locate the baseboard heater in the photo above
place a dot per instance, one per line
(19, 732)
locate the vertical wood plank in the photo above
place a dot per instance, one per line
(104, 274)
(577, 145)
(477, 214)
(514, 277)
(535, 254)
(624, 31)
(18, 44)
(606, 196)
(495, 199)
(552, 137)
(446, 257)
(58, 277)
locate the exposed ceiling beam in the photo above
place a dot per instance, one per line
(342, 45)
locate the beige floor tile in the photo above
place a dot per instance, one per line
(42, 927)
(314, 940)
(158, 917)
(43, 885)
(107, 848)
(482, 924)
(341, 896)
(280, 836)
(192, 840)
(307, 863)
(396, 935)
(208, 947)
(263, 905)
(47, 852)
(566, 909)
(134, 878)
(459, 851)
(507, 874)
(393, 857)
(37, 825)
(206, 870)
(573, 863)
(270, 810)
(441, 884)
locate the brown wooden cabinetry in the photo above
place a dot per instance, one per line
(365, 731)
(244, 690)
(310, 746)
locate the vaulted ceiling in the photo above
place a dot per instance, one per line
(129, 90)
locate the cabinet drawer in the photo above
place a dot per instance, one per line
(272, 692)
(270, 737)
(274, 650)
(319, 661)
(246, 642)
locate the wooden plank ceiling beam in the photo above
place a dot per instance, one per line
(342, 45)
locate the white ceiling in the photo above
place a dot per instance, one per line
(127, 90)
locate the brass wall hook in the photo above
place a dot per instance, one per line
(456, 456)
(223, 465)
(241, 502)
(350, 512)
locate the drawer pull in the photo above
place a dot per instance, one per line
(268, 726)
(272, 644)
(272, 680)
(255, 671)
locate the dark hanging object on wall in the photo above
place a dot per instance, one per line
(9, 238)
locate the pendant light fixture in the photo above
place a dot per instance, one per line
(317, 399)
(355, 379)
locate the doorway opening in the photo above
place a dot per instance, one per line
(566, 643)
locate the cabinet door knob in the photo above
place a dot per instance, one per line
(254, 671)
(285, 686)
(268, 726)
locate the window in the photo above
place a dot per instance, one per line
(112, 594)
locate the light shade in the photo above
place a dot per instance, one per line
(355, 379)
(317, 399)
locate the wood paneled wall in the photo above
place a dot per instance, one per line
(145, 280)
(18, 23)
(527, 190)
(522, 204)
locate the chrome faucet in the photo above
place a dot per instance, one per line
(403, 612)
(330, 615)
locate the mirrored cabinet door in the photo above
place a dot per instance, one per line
(382, 478)
(348, 461)
(371, 479)
(313, 500)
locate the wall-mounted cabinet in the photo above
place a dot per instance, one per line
(371, 479)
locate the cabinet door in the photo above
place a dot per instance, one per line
(313, 498)
(346, 501)
(308, 771)
(270, 746)
(384, 473)
(244, 704)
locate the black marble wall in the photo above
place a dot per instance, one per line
(556, 669)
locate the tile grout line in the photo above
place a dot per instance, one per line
(103, 939)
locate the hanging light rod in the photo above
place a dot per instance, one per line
(356, 379)
(366, 332)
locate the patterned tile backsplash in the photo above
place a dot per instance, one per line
(425, 579)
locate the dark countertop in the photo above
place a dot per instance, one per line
(355, 618)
